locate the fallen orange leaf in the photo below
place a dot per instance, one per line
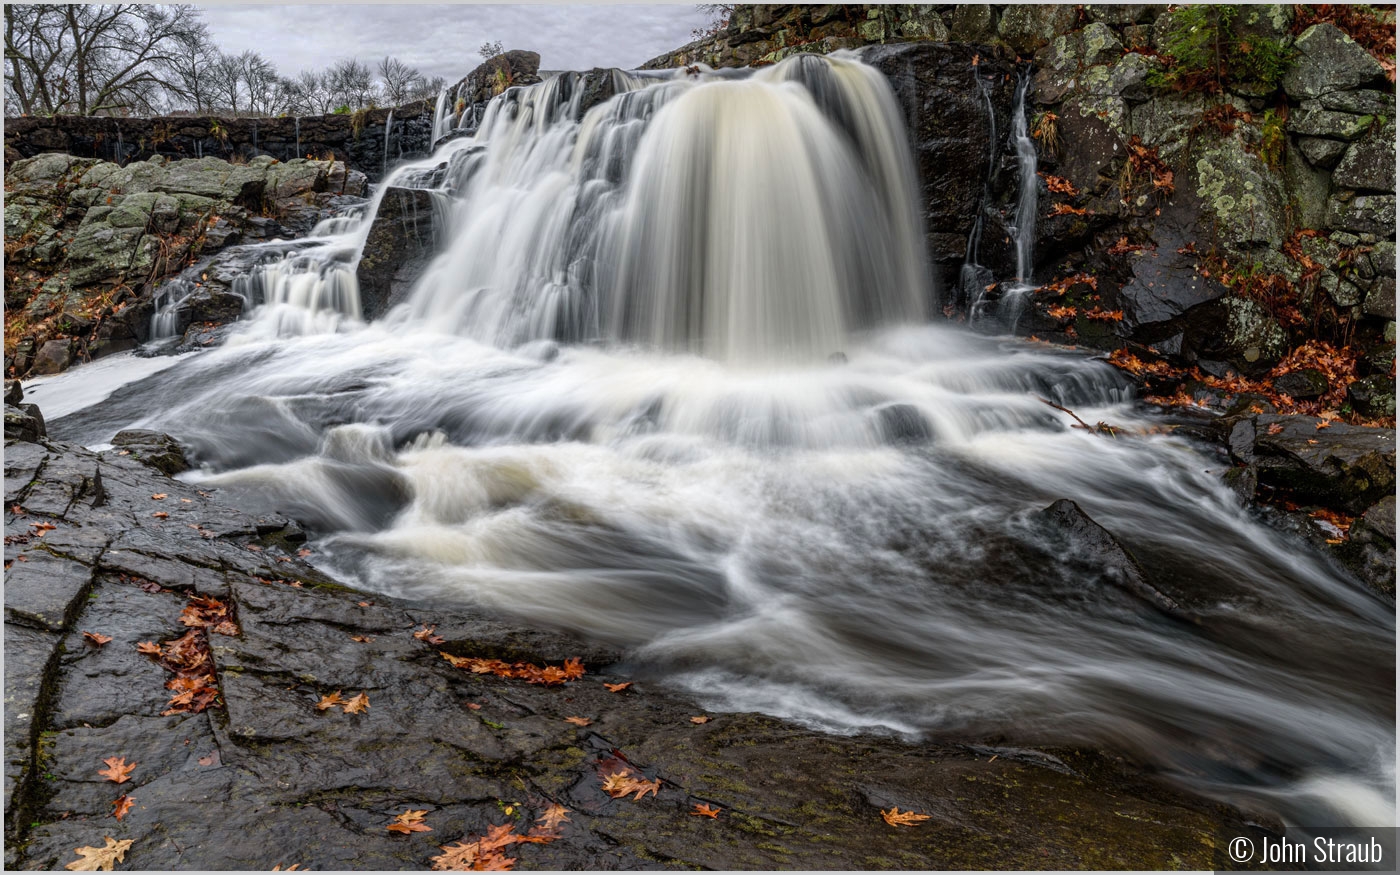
(703, 810)
(700, 719)
(118, 769)
(410, 821)
(159, 496)
(578, 721)
(357, 705)
(149, 647)
(330, 701)
(96, 639)
(123, 805)
(100, 859)
(894, 817)
(617, 688)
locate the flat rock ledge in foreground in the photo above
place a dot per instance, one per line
(263, 778)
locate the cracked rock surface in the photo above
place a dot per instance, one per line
(265, 778)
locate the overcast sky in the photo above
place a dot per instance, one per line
(441, 39)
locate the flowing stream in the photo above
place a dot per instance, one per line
(670, 383)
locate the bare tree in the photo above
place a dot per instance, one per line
(226, 83)
(261, 84)
(491, 49)
(350, 84)
(307, 94)
(400, 81)
(91, 59)
(428, 88)
(191, 78)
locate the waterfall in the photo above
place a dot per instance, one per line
(297, 128)
(439, 119)
(388, 128)
(1013, 298)
(742, 215)
(165, 321)
(972, 276)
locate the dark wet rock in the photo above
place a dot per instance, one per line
(1373, 396)
(1369, 550)
(401, 243)
(902, 424)
(1344, 466)
(269, 779)
(1235, 330)
(1092, 544)
(946, 118)
(160, 451)
(43, 590)
(1302, 384)
(14, 392)
(1027, 27)
(21, 424)
(1328, 61)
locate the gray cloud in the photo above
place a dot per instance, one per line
(442, 39)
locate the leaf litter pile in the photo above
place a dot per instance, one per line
(195, 684)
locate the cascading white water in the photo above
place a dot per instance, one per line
(857, 544)
(388, 129)
(1027, 185)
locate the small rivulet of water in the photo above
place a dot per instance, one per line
(388, 129)
(614, 404)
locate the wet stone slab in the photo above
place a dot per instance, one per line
(265, 777)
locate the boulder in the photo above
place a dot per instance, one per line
(54, 356)
(1328, 60)
(1326, 123)
(1092, 544)
(1369, 163)
(1343, 466)
(972, 23)
(401, 243)
(152, 448)
(1320, 151)
(1373, 397)
(14, 392)
(1369, 550)
(1302, 385)
(1235, 330)
(21, 424)
(949, 131)
(1362, 214)
(1244, 199)
(1027, 27)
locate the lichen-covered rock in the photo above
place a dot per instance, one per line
(1236, 330)
(972, 23)
(53, 356)
(1320, 151)
(1373, 397)
(1362, 214)
(1328, 60)
(1369, 163)
(1027, 27)
(1243, 197)
(1327, 123)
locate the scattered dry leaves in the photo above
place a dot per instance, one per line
(549, 675)
(1059, 185)
(330, 701)
(150, 648)
(553, 816)
(426, 634)
(1067, 210)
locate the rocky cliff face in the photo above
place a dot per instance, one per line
(87, 241)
